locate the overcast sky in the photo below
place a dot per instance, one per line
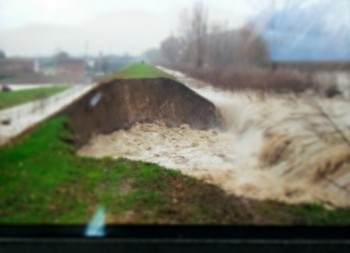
(42, 27)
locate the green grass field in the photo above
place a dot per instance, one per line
(13, 98)
(43, 181)
(139, 70)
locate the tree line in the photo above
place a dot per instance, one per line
(201, 43)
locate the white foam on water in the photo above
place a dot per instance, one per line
(276, 147)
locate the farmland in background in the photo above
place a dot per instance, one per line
(13, 98)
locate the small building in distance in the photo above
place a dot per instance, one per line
(17, 66)
(70, 67)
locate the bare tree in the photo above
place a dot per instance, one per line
(199, 28)
(236, 47)
(200, 42)
(193, 29)
(253, 49)
(217, 47)
(170, 50)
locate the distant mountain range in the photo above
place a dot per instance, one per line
(319, 31)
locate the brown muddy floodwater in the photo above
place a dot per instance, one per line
(280, 147)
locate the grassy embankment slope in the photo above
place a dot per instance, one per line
(13, 98)
(139, 70)
(43, 181)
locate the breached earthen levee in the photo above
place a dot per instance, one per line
(120, 103)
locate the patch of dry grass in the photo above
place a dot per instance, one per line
(249, 78)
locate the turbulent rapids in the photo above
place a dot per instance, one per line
(281, 147)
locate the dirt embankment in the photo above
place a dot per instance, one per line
(118, 104)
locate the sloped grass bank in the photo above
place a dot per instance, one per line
(43, 182)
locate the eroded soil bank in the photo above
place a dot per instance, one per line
(120, 103)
